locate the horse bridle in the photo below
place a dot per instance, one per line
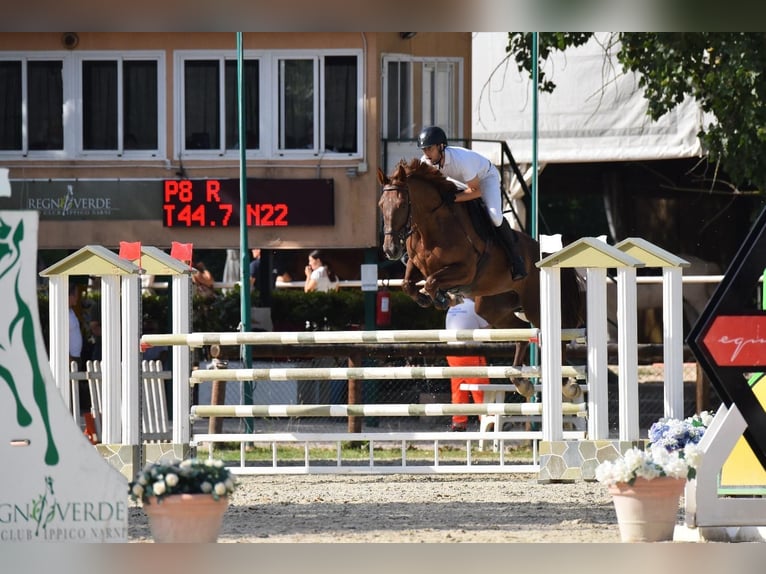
(402, 234)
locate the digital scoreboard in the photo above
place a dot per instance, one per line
(270, 202)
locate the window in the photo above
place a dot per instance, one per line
(438, 96)
(297, 104)
(202, 99)
(211, 104)
(119, 105)
(399, 100)
(252, 94)
(432, 86)
(38, 125)
(66, 105)
(341, 95)
(312, 104)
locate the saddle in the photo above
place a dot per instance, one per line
(480, 219)
(483, 224)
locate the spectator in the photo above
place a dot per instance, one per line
(319, 274)
(76, 340)
(203, 280)
(92, 345)
(75, 326)
(280, 272)
(255, 266)
(463, 316)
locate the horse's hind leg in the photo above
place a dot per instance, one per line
(570, 388)
(523, 385)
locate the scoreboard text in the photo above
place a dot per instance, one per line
(270, 202)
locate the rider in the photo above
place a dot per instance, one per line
(482, 180)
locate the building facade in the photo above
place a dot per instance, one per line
(136, 136)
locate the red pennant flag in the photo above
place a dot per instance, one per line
(131, 251)
(182, 251)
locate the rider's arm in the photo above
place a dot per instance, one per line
(472, 191)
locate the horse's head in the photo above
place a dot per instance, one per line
(395, 208)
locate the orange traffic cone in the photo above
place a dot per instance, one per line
(90, 428)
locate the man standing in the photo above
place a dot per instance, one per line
(463, 316)
(75, 327)
(255, 266)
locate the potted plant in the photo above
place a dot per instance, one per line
(646, 485)
(184, 500)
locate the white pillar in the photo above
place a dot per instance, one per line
(627, 352)
(673, 341)
(111, 382)
(550, 352)
(131, 368)
(58, 334)
(181, 286)
(598, 355)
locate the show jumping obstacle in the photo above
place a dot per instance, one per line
(587, 253)
(370, 373)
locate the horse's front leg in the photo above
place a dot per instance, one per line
(446, 278)
(412, 275)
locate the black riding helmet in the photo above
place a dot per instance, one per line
(432, 135)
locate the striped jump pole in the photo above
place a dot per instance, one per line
(348, 337)
(374, 373)
(392, 410)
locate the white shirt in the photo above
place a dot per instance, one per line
(463, 316)
(464, 165)
(75, 335)
(323, 281)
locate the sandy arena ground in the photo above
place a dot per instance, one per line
(410, 508)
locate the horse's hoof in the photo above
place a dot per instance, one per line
(524, 387)
(571, 390)
(441, 301)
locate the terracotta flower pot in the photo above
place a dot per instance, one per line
(186, 517)
(647, 510)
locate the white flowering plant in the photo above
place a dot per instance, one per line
(190, 476)
(672, 451)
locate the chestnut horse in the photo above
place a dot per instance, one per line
(455, 259)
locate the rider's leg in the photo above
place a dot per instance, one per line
(508, 240)
(490, 192)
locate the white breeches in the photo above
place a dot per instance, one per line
(490, 193)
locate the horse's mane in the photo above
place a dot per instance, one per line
(428, 173)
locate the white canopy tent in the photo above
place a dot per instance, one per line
(596, 113)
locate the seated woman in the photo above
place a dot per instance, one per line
(203, 280)
(319, 274)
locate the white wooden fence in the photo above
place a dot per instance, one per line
(155, 423)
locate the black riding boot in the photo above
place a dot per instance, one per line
(508, 241)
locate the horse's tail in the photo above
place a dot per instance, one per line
(572, 299)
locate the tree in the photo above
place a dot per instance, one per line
(724, 71)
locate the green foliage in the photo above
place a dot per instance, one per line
(723, 71)
(520, 48)
(336, 310)
(406, 314)
(290, 310)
